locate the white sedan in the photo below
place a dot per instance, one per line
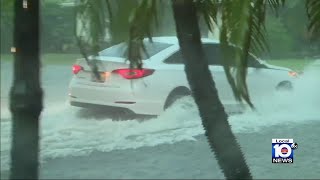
(162, 80)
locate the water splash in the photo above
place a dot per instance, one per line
(63, 133)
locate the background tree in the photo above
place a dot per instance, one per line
(242, 25)
(26, 93)
(57, 29)
(54, 38)
(6, 25)
(289, 36)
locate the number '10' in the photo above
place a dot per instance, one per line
(278, 152)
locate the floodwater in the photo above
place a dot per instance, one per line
(171, 145)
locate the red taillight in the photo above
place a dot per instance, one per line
(76, 69)
(133, 73)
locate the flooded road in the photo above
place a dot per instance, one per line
(171, 145)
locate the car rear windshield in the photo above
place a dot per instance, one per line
(120, 50)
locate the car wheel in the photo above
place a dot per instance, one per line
(284, 86)
(175, 94)
(171, 100)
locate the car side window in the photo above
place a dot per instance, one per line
(121, 50)
(215, 57)
(253, 62)
(175, 58)
(212, 52)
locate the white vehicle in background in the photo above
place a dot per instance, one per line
(162, 80)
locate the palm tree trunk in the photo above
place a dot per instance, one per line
(214, 118)
(26, 93)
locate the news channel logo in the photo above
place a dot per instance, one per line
(282, 150)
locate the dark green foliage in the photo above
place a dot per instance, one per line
(288, 34)
(6, 26)
(208, 10)
(119, 24)
(313, 11)
(90, 29)
(279, 37)
(57, 28)
(242, 26)
(142, 21)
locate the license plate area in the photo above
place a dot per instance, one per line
(103, 77)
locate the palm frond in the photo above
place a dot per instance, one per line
(313, 12)
(109, 8)
(258, 37)
(209, 10)
(119, 12)
(141, 26)
(224, 48)
(91, 23)
(243, 27)
(275, 5)
(235, 25)
(127, 19)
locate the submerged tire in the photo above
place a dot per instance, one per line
(284, 86)
(171, 100)
(175, 95)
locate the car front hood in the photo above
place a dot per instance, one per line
(278, 67)
(273, 66)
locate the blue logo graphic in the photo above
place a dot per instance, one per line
(282, 150)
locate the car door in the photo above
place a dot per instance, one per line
(257, 79)
(263, 80)
(215, 60)
(213, 55)
(169, 72)
(174, 67)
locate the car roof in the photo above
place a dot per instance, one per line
(174, 40)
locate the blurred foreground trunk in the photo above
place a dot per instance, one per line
(214, 118)
(26, 93)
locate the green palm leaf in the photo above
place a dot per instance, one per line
(275, 4)
(141, 25)
(313, 11)
(119, 12)
(235, 30)
(91, 23)
(209, 10)
(242, 26)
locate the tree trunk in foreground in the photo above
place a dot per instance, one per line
(26, 93)
(214, 118)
